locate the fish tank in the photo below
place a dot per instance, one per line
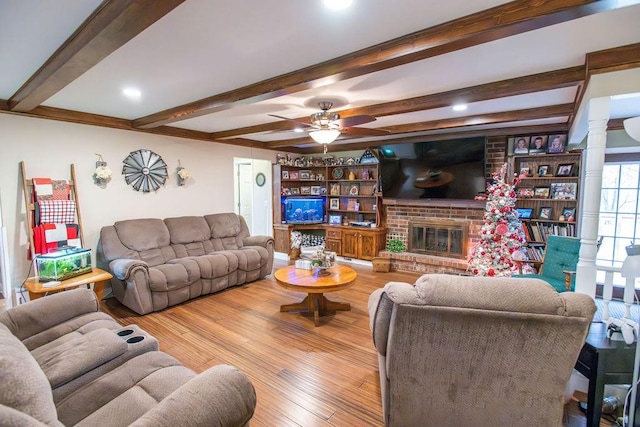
(64, 264)
(303, 210)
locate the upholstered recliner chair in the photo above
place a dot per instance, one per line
(471, 351)
(559, 263)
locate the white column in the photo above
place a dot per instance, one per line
(599, 112)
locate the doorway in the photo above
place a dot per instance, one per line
(253, 183)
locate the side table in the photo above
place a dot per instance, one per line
(603, 361)
(96, 276)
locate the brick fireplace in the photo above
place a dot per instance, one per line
(430, 229)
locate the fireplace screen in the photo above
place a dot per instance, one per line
(438, 237)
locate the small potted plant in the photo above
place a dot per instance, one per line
(396, 245)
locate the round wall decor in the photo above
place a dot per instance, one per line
(260, 179)
(144, 170)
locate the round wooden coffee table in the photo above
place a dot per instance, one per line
(315, 285)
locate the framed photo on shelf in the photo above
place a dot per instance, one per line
(524, 213)
(545, 212)
(525, 170)
(335, 189)
(538, 144)
(294, 175)
(564, 190)
(295, 190)
(315, 190)
(335, 219)
(524, 192)
(541, 192)
(543, 170)
(354, 189)
(565, 169)
(286, 191)
(305, 191)
(557, 143)
(353, 205)
(521, 145)
(334, 204)
(305, 174)
(568, 213)
(285, 174)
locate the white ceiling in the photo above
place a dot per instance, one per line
(207, 47)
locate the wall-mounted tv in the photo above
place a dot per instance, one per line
(449, 169)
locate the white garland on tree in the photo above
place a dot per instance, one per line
(501, 235)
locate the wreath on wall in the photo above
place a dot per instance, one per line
(144, 170)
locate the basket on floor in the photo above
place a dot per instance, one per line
(381, 265)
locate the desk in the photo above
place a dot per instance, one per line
(603, 361)
(97, 277)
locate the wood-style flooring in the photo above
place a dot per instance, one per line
(303, 375)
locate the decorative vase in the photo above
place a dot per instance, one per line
(352, 176)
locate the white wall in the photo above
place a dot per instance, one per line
(50, 147)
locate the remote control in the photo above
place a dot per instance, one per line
(50, 284)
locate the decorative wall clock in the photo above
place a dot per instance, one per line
(144, 170)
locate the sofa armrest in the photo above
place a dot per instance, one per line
(39, 315)
(123, 269)
(263, 241)
(220, 396)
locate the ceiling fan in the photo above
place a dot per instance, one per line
(325, 127)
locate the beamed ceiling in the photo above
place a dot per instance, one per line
(216, 71)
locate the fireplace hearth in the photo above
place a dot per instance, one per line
(439, 237)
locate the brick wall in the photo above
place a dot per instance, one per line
(398, 212)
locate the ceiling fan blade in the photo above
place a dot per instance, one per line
(355, 120)
(364, 131)
(294, 121)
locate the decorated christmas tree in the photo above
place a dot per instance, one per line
(501, 235)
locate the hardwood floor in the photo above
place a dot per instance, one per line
(303, 375)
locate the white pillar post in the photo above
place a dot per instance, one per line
(599, 113)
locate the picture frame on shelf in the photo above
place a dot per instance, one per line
(335, 219)
(285, 174)
(543, 170)
(286, 191)
(295, 175)
(545, 212)
(521, 144)
(568, 213)
(557, 143)
(353, 205)
(315, 190)
(524, 213)
(335, 189)
(564, 190)
(334, 204)
(541, 192)
(565, 169)
(305, 191)
(538, 144)
(354, 189)
(524, 192)
(305, 175)
(295, 191)
(525, 170)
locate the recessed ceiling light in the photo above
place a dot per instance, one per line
(299, 130)
(337, 4)
(460, 107)
(132, 93)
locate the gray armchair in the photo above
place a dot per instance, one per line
(456, 351)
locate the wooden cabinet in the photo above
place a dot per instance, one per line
(333, 240)
(281, 234)
(362, 243)
(548, 197)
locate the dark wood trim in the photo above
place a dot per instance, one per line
(458, 122)
(557, 79)
(4, 104)
(619, 157)
(616, 124)
(110, 26)
(616, 59)
(492, 24)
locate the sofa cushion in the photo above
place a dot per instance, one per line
(129, 391)
(188, 229)
(216, 264)
(143, 234)
(175, 274)
(25, 387)
(227, 230)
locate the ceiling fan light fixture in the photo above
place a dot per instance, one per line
(324, 136)
(337, 4)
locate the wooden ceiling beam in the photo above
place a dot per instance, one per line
(458, 122)
(616, 59)
(502, 21)
(556, 79)
(110, 26)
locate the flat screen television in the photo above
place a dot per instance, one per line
(450, 169)
(303, 210)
